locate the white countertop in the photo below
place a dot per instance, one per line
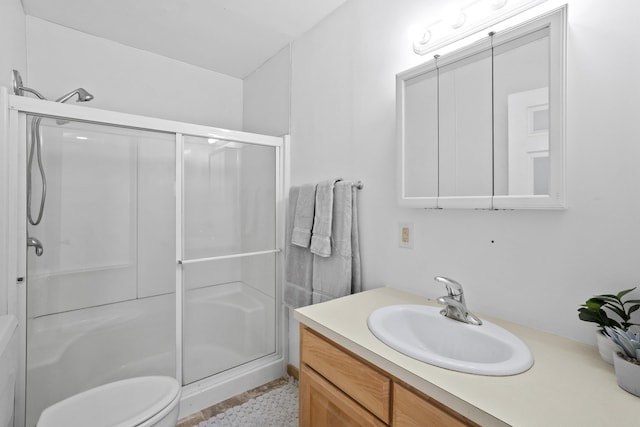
(568, 385)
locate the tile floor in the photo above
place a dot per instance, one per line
(210, 412)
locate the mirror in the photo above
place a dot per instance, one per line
(521, 115)
(465, 130)
(420, 157)
(483, 126)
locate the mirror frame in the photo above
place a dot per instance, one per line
(555, 20)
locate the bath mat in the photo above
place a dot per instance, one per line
(277, 408)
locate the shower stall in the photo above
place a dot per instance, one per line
(157, 253)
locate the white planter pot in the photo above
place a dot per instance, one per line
(606, 347)
(628, 375)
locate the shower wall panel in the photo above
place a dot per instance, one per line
(101, 298)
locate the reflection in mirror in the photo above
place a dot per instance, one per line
(420, 155)
(528, 146)
(465, 127)
(521, 115)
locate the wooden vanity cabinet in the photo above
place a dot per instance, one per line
(323, 404)
(339, 389)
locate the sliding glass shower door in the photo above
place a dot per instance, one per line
(229, 255)
(157, 252)
(101, 296)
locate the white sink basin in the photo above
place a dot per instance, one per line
(423, 333)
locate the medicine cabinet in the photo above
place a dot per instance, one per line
(483, 127)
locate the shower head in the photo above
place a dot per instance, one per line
(19, 89)
(83, 96)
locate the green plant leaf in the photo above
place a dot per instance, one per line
(610, 300)
(596, 316)
(598, 308)
(621, 313)
(623, 293)
(612, 322)
(590, 316)
(593, 304)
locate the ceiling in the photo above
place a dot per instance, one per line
(232, 37)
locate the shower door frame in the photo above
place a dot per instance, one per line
(13, 119)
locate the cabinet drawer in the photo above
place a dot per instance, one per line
(364, 384)
(412, 410)
(322, 404)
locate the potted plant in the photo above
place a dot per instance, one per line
(626, 361)
(598, 308)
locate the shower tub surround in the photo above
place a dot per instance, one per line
(160, 255)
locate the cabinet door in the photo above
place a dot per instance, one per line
(418, 125)
(465, 130)
(412, 410)
(359, 381)
(322, 404)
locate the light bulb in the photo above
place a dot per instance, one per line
(453, 16)
(419, 35)
(497, 4)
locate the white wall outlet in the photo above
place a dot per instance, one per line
(405, 235)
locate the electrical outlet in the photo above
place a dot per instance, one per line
(405, 234)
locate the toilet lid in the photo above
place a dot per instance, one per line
(123, 403)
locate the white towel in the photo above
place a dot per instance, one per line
(339, 274)
(322, 221)
(303, 217)
(299, 263)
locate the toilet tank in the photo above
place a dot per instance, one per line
(8, 367)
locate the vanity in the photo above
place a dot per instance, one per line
(350, 378)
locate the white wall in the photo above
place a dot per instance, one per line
(129, 80)
(266, 96)
(55, 60)
(531, 267)
(12, 56)
(12, 40)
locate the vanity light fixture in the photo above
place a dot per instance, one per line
(459, 22)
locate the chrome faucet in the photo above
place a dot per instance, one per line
(454, 306)
(33, 242)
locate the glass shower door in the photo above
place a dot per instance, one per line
(229, 255)
(101, 297)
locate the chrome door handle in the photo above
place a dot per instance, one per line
(32, 241)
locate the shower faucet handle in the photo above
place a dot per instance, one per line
(35, 243)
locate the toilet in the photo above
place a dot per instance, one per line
(8, 367)
(134, 402)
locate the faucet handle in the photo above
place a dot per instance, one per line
(454, 289)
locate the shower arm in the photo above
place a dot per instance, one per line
(28, 89)
(19, 88)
